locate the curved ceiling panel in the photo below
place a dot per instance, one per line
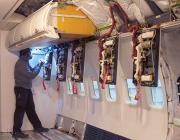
(144, 7)
(96, 10)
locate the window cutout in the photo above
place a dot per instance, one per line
(131, 91)
(111, 96)
(95, 94)
(69, 86)
(157, 96)
(81, 89)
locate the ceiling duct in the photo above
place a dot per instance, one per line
(30, 6)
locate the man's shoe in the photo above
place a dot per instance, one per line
(20, 135)
(41, 129)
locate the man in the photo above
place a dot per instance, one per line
(23, 75)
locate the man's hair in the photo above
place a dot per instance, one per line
(24, 52)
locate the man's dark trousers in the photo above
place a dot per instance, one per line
(25, 103)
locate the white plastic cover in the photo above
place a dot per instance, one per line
(96, 10)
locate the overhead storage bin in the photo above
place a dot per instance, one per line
(51, 23)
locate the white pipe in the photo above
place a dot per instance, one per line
(68, 16)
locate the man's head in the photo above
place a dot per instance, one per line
(26, 53)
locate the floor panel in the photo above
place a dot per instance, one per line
(51, 135)
(6, 136)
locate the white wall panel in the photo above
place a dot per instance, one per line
(136, 122)
(74, 106)
(45, 100)
(7, 85)
(0, 76)
(141, 122)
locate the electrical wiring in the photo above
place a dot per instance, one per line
(129, 28)
(100, 41)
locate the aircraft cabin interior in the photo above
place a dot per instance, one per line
(108, 69)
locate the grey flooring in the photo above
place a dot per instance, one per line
(51, 135)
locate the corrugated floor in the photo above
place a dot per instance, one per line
(51, 135)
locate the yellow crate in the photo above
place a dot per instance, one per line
(72, 22)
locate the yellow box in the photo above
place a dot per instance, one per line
(72, 22)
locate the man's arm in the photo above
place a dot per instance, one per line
(33, 72)
(26, 71)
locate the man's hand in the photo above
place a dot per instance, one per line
(41, 62)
